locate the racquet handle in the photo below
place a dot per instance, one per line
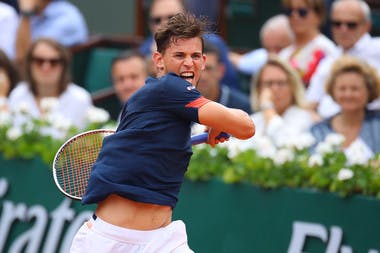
(202, 138)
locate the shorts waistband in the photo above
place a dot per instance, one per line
(126, 234)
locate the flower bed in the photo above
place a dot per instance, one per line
(260, 163)
(291, 165)
(42, 137)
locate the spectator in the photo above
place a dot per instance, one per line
(8, 79)
(129, 71)
(13, 3)
(277, 96)
(353, 84)
(275, 34)
(160, 11)
(48, 76)
(210, 84)
(56, 19)
(8, 28)
(310, 46)
(351, 24)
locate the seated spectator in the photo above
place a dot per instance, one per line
(353, 84)
(8, 79)
(129, 71)
(350, 26)
(8, 27)
(278, 99)
(59, 20)
(48, 76)
(12, 3)
(275, 35)
(309, 46)
(210, 84)
(160, 11)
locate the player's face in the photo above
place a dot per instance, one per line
(183, 57)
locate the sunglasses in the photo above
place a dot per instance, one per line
(53, 62)
(352, 25)
(302, 12)
(158, 20)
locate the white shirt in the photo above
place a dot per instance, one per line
(301, 58)
(73, 104)
(293, 122)
(367, 48)
(8, 28)
(251, 62)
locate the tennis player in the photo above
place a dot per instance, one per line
(139, 171)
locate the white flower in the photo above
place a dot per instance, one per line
(299, 142)
(358, 153)
(345, 174)
(97, 115)
(197, 129)
(48, 104)
(234, 147)
(213, 152)
(13, 133)
(315, 160)
(5, 118)
(283, 155)
(264, 146)
(111, 126)
(324, 148)
(59, 122)
(22, 108)
(334, 139)
(28, 126)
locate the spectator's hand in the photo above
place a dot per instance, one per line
(265, 98)
(4, 84)
(28, 5)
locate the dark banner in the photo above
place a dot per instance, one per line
(36, 217)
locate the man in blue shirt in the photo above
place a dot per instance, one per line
(56, 19)
(139, 171)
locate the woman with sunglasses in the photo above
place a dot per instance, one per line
(47, 75)
(309, 46)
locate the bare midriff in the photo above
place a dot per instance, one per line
(123, 212)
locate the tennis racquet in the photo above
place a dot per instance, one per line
(73, 161)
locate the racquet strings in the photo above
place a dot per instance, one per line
(74, 163)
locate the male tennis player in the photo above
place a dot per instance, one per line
(140, 169)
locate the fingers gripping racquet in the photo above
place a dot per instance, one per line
(73, 161)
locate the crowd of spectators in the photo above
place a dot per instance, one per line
(301, 80)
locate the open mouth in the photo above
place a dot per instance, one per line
(188, 76)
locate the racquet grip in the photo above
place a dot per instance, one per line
(202, 138)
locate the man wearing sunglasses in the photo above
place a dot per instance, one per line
(160, 12)
(350, 26)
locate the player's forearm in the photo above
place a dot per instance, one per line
(240, 125)
(233, 121)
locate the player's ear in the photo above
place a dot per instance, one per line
(204, 57)
(158, 61)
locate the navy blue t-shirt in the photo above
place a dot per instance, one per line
(147, 157)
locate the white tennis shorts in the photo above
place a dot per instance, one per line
(98, 236)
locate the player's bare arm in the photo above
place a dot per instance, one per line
(223, 119)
